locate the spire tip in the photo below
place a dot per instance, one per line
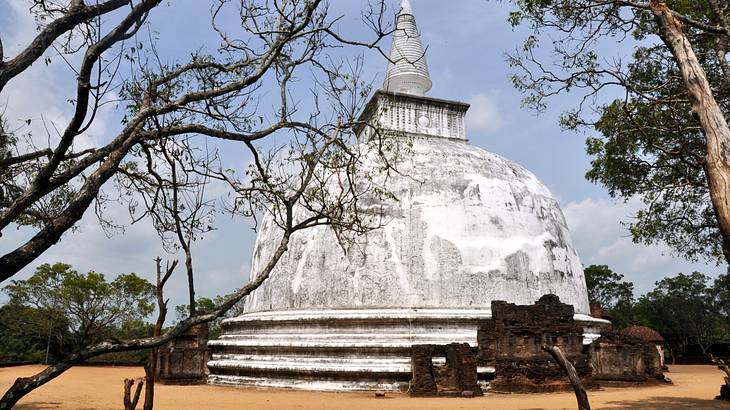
(408, 69)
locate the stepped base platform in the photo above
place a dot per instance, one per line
(342, 350)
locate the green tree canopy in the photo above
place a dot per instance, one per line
(649, 143)
(683, 309)
(721, 293)
(92, 306)
(609, 289)
(30, 334)
(203, 306)
(606, 287)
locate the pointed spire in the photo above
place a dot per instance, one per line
(405, 7)
(407, 70)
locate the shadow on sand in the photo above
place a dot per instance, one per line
(670, 403)
(38, 405)
(45, 405)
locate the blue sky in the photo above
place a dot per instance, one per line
(466, 42)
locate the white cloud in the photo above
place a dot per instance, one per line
(484, 115)
(600, 238)
(41, 92)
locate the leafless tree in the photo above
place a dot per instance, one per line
(306, 159)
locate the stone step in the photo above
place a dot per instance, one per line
(314, 359)
(310, 367)
(349, 343)
(335, 328)
(376, 315)
(376, 336)
(314, 350)
(300, 383)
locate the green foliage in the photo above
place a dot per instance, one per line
(648, 144)
(684, 310)
(7, 142)
(608, 289)
(92, 307)
(203, 306)
(14, 177)
(130, 329)
(27, 332)
(721, 294)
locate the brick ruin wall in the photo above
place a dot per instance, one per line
(184, 359)
(458, 377)
(512, 342)
(620, 358)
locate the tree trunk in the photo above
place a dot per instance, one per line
(150, 369)
(129, 402)
(191, 280)
(580, 391)
(711, 117)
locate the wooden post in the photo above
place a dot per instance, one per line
(580, 391)
(129, 402)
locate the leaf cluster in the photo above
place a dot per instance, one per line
(92, 307)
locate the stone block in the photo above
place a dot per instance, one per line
(183, 359)
(621, 358)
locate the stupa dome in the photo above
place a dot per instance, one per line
(468, 227)
(644, 333)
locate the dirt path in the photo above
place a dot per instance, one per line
(101, 388)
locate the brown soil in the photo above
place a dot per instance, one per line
(101, 388)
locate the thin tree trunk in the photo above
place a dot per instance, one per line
(150, 369)
(580, 391)
(48, 342)
(711, 117)
(191, 280)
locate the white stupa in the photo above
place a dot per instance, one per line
(469, 227)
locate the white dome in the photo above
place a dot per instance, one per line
(469, 227)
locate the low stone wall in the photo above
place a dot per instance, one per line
(183, 360)
(512, 342)
(621, 358)
(457, 377)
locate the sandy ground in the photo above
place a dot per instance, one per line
(101, 388)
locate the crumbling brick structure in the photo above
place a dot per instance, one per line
(458, 377)
(183, 360)
(512, 341)
(621, 358)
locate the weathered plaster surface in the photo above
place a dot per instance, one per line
(469, 227)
